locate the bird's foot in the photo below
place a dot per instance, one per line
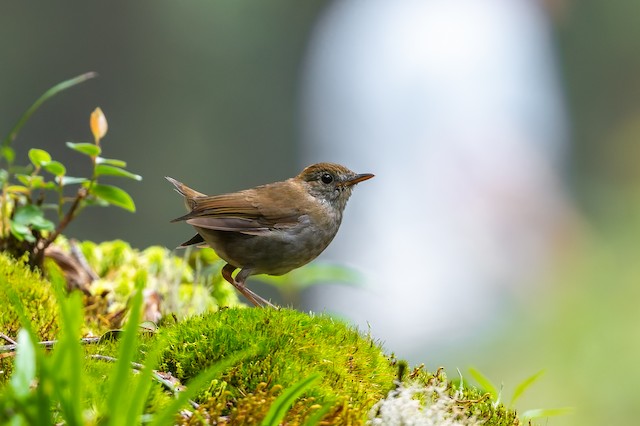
(251, 296)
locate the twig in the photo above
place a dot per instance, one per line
(157, 376)
(48, 344)
(8, 339)
(82, 194)
(76, 252)
(134, 365)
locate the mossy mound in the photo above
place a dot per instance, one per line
(288, 346)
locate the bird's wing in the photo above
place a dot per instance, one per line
(244, 212)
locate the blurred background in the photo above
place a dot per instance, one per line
(501, 229)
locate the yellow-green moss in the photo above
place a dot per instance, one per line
(289, 345)
(185, 286)
(36, 296)
(37, 299)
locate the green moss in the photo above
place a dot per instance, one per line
(35, 294)
(289, 345)
(36, 297)
(466, 405)
(251, 408)
(185, 286)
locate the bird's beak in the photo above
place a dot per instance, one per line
(357, 179)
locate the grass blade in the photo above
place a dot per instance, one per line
(544, 412)
(523, 386)
(68, 358)
(281, 405)
(316, 418)
(42, 99)
(141, 391)
(484, 382)
(24, 373)
(41, 415)
(121, 375)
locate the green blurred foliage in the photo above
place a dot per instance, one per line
(23, 225)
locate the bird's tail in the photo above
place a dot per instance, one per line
(188, 194)
(183, 189)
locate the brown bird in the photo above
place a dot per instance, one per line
(274, 228)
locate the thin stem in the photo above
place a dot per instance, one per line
(42, 99)
(82, 194)
(4, 212)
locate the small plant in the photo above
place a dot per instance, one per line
(23, 225)
(496, 396)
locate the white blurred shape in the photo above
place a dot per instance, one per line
(454, 105)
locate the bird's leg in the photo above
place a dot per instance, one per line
(226, 273)
(254, 298)
(241, 277)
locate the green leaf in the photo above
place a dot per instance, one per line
(315, 274)
(523, 386)
(544, 412)
(69, 180)
(39, 157)
(35, 181)
(26, 179)
(111, 162)
(42, 99)
(25, 365)
(484, 382)
(86, 148)
(18, 189)
(55, 168)
(281, 405)
(94, 202)
(44, 185)
(21, 232)
(43, 224)
(105, 169)
(114, 195)
(32, 216)
(8, 153)
(25, 170)
(25, 215)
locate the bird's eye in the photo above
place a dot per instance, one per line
(326, 178)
